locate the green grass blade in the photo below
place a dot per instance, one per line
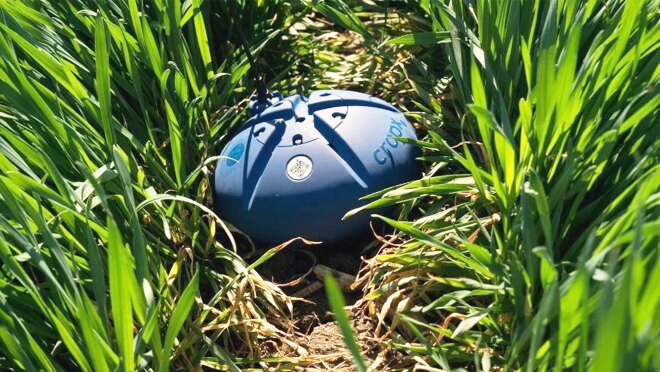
(422, 38)
(179, 315)
(102, 82)
(120, 296)
(336, 300)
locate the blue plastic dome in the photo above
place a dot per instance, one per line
(298, 165)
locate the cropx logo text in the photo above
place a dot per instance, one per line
(382, 152)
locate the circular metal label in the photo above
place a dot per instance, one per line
(299, 167)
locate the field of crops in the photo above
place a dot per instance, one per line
(530, 243)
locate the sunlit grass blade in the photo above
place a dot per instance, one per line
(178, 318)
(120, 295)
(337, 304)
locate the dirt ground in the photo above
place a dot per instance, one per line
(317, 331)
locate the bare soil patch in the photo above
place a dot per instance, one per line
(316, 329)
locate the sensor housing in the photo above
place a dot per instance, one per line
(298, 165)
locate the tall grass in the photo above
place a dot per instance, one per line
(538, 244)
(531, 243)
(110, 114)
